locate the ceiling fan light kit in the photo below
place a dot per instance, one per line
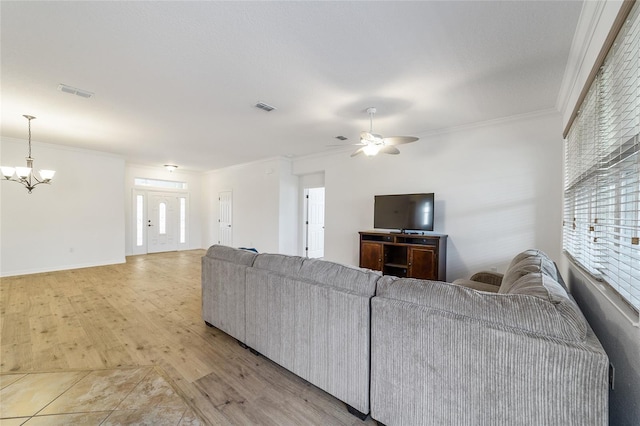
(371, 150)
(372, 144)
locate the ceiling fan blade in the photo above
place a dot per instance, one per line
(399, 140)
(357, 152)
(347, 144)
(389, 150)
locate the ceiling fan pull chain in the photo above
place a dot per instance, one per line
(370, 120)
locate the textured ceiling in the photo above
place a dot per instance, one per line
(175, 82)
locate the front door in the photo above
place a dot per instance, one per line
(162, 223)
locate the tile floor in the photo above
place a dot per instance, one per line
(122, 396)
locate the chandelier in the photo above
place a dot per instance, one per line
(25, 175)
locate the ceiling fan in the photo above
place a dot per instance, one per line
(373, 143)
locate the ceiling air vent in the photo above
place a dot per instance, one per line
(342, 138)
(265, 107)
(74, 91)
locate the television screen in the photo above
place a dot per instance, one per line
(404, 212)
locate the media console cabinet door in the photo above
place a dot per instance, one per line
(423, 263)
(371, 255)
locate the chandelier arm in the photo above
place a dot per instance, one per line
(25, 182)
(28, 182)
(38, 181)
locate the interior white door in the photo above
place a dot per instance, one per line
(225, 224)
(315, 222)
(162, 223)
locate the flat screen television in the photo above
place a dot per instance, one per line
(405, 212)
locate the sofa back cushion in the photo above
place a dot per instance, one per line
(230, 254)
(349, 278)
(527, 262)
(279, 263)
(526, 254)
(544, 287)
(547, 311)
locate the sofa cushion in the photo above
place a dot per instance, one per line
(540, 285)
(230, 254)
(546, 288)
(349, 278)
(279, 263)
(526, 254)
(527, 264)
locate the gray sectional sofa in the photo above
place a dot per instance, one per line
(496, 349)
(310, 316)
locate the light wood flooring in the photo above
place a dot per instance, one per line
(147, 313)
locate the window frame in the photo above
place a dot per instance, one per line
(601, 225)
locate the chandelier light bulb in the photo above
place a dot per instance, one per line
(47, 174)
(23, 172)
(7, 172)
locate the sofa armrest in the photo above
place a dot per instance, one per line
(493, 278)
(483, 281)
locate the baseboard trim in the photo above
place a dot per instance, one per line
(61, 268)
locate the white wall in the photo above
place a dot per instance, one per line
(264, 205)
(498, 190)
(288, 202)
(194, 189)
(77, 221)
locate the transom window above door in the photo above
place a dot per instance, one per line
(159, 183)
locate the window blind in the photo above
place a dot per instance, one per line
(601, 226)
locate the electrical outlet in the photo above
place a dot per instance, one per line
(494, 269)
(612, 375)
